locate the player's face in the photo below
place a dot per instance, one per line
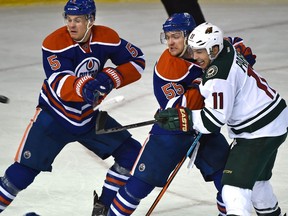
(77, 26)
(175, 41)
(202, 58)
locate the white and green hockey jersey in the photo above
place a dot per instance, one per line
(236, 95)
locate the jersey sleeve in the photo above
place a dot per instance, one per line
(172, 77)
(194, 100)
(172, 81)
(130, 63)
(128, 59)
(59, 65)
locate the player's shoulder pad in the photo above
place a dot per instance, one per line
(58, 40)
(172, 68)
(220, 67)
(104, 34)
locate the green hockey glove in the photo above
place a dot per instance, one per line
(175, 119)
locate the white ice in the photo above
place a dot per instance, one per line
(76, 172)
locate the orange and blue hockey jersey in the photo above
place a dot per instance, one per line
(65, 60)
(173, 76)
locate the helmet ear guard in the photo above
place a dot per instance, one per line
(206, 36)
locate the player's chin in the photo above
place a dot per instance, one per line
(74, 36)
(202, 64)
(174, 52)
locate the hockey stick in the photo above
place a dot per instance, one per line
(171, 177)
(101, 122)
(102, 118)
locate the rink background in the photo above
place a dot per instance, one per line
(76, 172)
(201, 2)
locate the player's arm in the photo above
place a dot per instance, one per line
(62, 80)
(246, 51)
(178, 115)
(129, 64)
(210, 118)
(172, 77)
(60, 76)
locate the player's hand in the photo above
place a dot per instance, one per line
(237, 42)
(94, 90)
(175, 119)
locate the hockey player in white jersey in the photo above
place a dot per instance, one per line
(256, 116)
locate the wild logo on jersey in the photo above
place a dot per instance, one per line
(212, 71)
(88, 67)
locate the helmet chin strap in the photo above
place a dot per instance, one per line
(87, 30)
(185, 48)
(213, 56)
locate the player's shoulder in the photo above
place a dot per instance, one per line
(104, 34)
(172, 68)
(58, 40)
(222, 65)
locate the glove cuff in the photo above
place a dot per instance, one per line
(114, 75)
(80, 82)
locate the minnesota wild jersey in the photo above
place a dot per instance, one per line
(236, 95)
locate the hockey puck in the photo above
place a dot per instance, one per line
(4, 99)
(31, 214)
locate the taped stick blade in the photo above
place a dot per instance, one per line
(101, 122)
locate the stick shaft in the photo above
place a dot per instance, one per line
(125, 127)
(171, 177)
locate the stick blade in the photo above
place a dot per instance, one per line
(101, 122)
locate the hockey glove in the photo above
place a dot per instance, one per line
(95, 90)
(237, 42)
(175, 119)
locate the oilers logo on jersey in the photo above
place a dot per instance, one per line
(88, 67)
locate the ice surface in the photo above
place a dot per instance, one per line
(76, 172)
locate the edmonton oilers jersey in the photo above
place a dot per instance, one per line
(65, 60)
(173, 76)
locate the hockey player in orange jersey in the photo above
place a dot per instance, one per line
(255, 114)
(174, 74)
(74, 59)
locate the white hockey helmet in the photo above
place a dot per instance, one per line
(206, 36)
